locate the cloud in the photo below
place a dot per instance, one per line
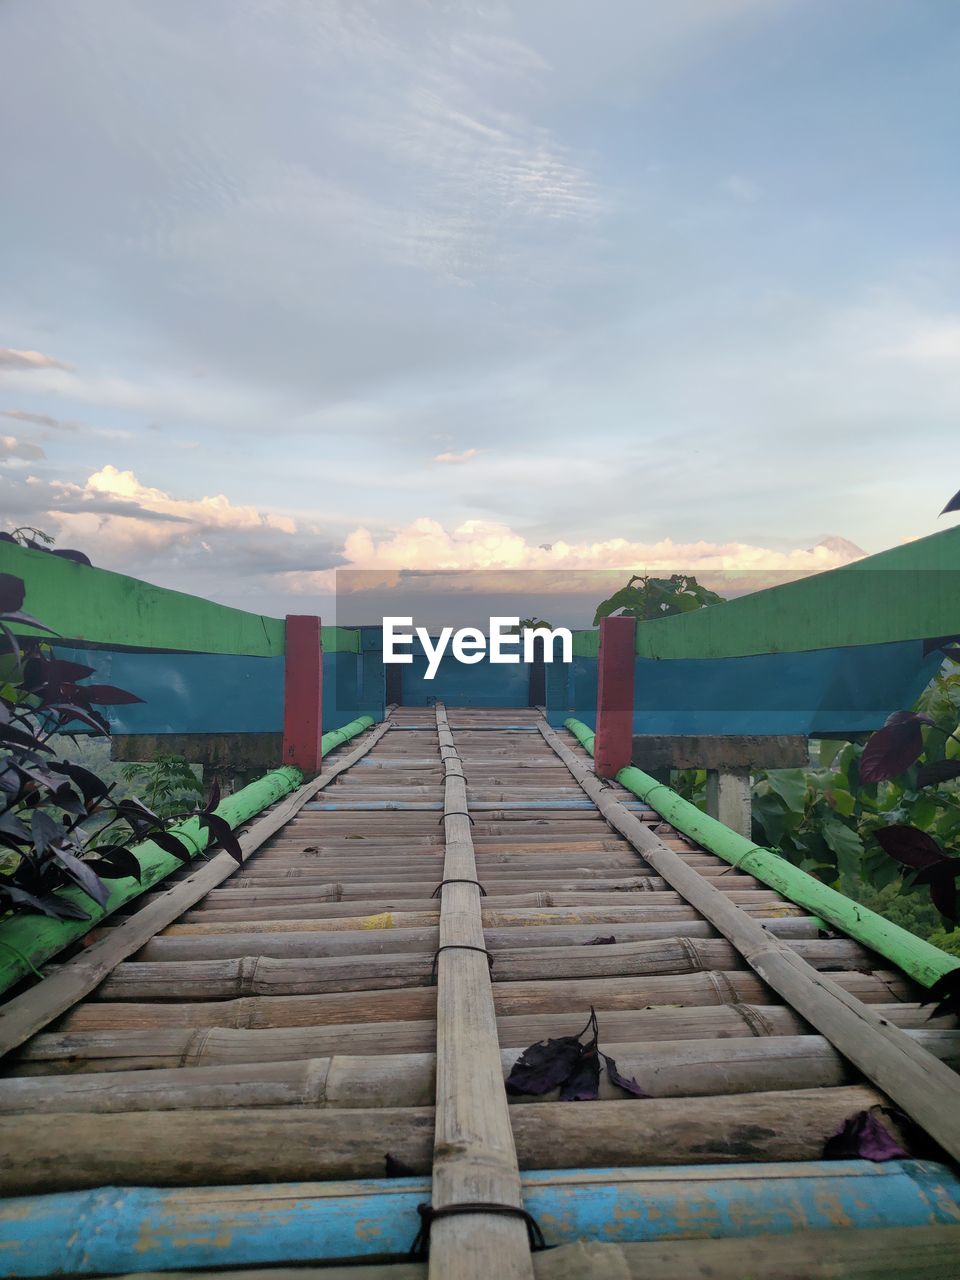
(457, 457)
(426, 544)
(37, 419)
(19, 451)
(12, 359)
(933, 343)
(118, 516)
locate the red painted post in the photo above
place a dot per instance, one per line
(613, 744)
(303, 694)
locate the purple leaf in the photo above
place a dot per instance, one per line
(938, 771)
(28, 620)
(600, 942)
(943, 888)
(222, 832)
(54, 671)
(214, 798)
(12, 592)
(583, 1082)
(67, 554)
(117, 862)
(944, 995)
(952, 505)
(170, 844)
(622, 1082)
(398, 1168)
(863, 1137)
(91, 787)
(107, 695)
(893, 748)
(544, 1066)
(48, 903)
(84, 875)
(910, 846)
(45, 831)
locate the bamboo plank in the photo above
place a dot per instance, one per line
(493, 917)
(474, 1157)
(384, 941)
(264, 975)
(54, 1052)
(410, 1004)
(665, 1069)
(68, 1151)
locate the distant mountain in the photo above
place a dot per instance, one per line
(843, 548)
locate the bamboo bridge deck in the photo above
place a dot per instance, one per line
(303, 1044)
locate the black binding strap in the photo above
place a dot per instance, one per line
(420, 1248)
(457, 946)
(436, 892)
(456, 813)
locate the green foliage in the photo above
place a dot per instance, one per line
(824, 819)
(647, 598)
(168, 784)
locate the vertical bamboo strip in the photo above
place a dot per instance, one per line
(475, 1160)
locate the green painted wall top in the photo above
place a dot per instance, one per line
(910, 592)
(101, 607)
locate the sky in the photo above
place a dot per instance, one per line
(292, 285)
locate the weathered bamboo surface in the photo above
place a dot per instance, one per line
(285, 1025)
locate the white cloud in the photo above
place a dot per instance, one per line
(426, 544)
(117, 516)
(37, 419)
(10, 358)
(19, 451)
(457, 457)
(934, 343)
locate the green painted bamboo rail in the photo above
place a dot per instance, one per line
(27, 941)
(921, 960)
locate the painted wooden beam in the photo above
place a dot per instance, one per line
(615, 677)
(303, 694)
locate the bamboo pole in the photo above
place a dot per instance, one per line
(264, 975)
(665, 1069)
(69, 1151)
(27, 1013)
(392, 941)
(83, 1051)
(474, 1157)
(927, 1090)
(410, 1004)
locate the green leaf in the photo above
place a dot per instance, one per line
(790, 785)
(841, 801)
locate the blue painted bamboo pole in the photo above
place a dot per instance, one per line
(115, 1230)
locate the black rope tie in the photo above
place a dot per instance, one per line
(457, 946)
(436, 892)
(420, 1248)
(456, 813)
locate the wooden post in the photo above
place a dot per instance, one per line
(729, 799)
(615, 668)
(303, 694)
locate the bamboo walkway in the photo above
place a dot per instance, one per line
(346, 1004)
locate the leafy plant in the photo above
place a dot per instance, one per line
(646, 598)
(882, 814)
(36, 540)
(168, 783)
(46, 800)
